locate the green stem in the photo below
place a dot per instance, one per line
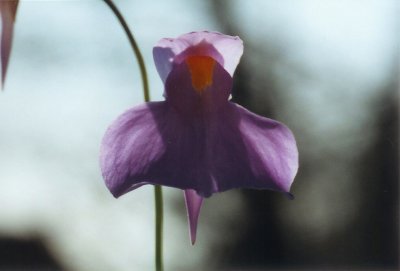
(135, 48)
(159, 227)
(157, 189)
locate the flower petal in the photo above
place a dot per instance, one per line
(193, 206)
(211, 152)
(153, 144)
(8, 11)
(226, 50)
(245, 150)
(183, 96)
(129, 146)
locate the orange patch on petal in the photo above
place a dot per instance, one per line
(201, 70)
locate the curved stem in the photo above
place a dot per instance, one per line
(157, 189)
(135, 48)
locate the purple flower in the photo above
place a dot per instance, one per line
(196, 139)
(8, 10)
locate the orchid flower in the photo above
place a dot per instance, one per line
(197, 140)
(8, 10)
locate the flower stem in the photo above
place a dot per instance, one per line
(157, 189)
(135, 48)
(159, 227)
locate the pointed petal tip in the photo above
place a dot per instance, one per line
(116, 194)
(118, 191)
(8, 11)
(290, 196)
(193, 205)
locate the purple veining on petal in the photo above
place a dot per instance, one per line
(226, 50)
(193, 206)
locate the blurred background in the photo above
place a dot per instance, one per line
(327, 69)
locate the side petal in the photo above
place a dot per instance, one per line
(225, 49)
(129, 146)
(245, 150)
(193, 206)
(154, 144)
(8, 11)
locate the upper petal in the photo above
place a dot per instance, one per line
(183, 96)
(226, 50)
